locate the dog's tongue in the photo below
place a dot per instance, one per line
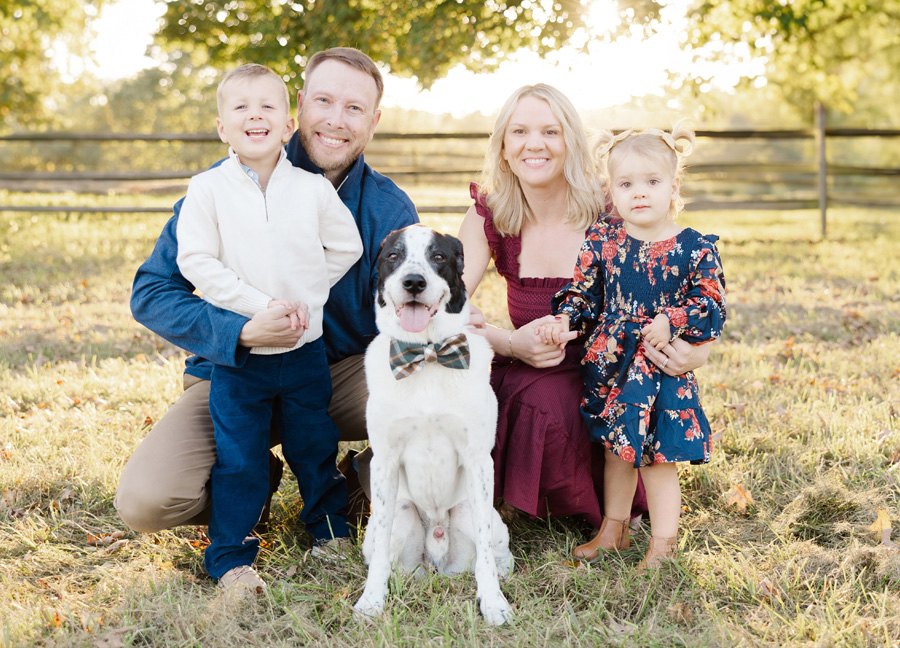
(414, 317)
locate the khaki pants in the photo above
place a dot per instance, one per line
(164, 484)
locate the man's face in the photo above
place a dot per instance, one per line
(337, 116)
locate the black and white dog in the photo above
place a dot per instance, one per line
(431, 418)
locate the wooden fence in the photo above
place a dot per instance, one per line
(746, 169)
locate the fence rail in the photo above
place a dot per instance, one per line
(736, 184)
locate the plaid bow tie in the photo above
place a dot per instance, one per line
(407, 358)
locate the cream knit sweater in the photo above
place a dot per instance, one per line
(243, 248)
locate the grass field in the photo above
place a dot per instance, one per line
(803, 392)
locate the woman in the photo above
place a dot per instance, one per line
(538, 195)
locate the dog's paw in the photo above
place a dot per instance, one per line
(506, 564)
(495, 610)
(366, 608)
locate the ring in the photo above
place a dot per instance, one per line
(665, 362)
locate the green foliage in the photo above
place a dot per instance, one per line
(28, 31)
(815, 51)
(422, 39)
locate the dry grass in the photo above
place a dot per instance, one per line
(803, 390)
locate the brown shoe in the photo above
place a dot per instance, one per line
(612, 536)
(276, 471)
(660, 551)
(358, 500)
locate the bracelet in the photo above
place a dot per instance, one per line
(509, 342)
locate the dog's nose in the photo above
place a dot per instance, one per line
(414, 284)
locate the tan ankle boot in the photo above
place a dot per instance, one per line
(660, 550)
(612, 536)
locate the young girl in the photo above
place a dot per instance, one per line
(642, 280)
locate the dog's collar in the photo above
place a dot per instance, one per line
(408, 357)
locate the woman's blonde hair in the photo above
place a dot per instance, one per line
(659, 146)
(584, 198)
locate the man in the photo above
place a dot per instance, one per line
(164, 483)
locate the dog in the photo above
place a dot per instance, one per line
(431, 427)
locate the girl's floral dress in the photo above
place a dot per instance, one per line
(620, 284)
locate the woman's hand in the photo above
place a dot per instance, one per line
(678, 357)
(527, 346)
(476, 320)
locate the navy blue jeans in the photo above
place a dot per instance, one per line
(295, 388)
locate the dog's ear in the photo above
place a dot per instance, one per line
(455, 282)
(382, 265)
(459, 252)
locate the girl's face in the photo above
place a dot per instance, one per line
(642, 191)
(533, 144)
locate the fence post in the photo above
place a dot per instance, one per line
(822, 160)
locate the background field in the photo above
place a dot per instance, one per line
(803, 392)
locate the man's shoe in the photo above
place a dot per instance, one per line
(334, 550)
(242, 579)
(358, 501)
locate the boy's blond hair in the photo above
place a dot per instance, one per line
(250, 71)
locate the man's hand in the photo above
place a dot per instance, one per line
(271, 327)
(678, 357)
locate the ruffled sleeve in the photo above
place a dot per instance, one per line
(582, 299)
(505, 250)
(701, 316)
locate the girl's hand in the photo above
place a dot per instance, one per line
(657, 333)
(553, 332)
(526, 344)
(679, 357)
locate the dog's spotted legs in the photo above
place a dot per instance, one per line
(378, 532)
(480, 479)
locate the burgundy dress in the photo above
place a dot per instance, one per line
(544, 462)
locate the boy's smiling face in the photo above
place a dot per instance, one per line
(254, 119)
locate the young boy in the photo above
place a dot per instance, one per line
(256, 232)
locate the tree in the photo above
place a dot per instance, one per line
(421, 38)
(815, 50)
(30, 33)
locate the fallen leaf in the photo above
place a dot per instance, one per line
(680, 612)
(114, 639)
(882, 523)
(292, 570)
(104, 538)
(766, 589)
(882, 528)
(887, 542)
(739, 497)
(717, 435)
(113, 548)
(738, 408)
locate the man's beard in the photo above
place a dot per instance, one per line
(329, 163)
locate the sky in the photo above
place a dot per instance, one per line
(609, 75)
